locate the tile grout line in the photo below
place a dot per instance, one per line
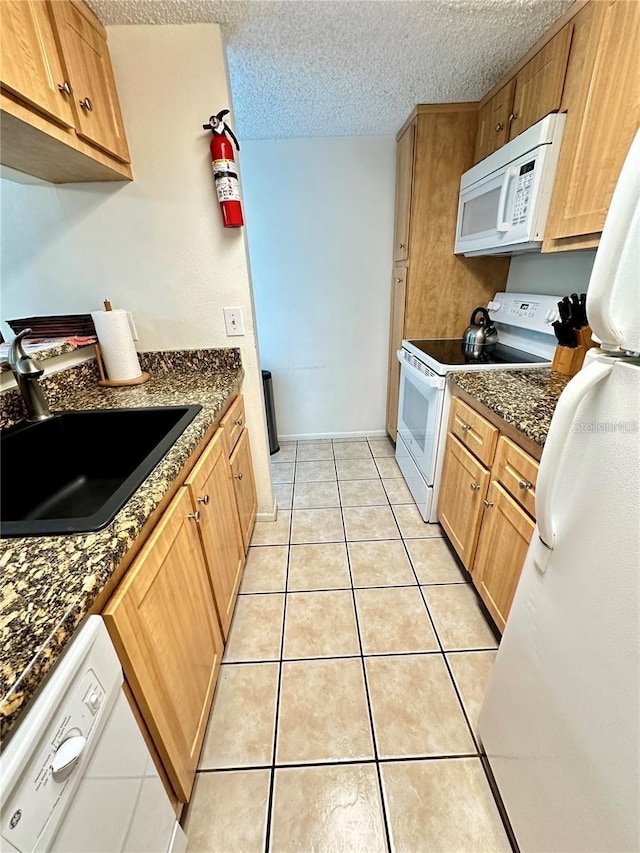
(374, 741)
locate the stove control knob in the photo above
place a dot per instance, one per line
(494, 306)
(551, 315)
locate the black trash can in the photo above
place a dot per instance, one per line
(270, 409)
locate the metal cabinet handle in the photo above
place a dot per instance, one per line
(487, 504)
(525, 484)
(499, 127)
(65, 88)
(195, 516)
(398, 281)
(465, 427)
(401, 245)
(238, 476)
(474, 487)
(203, 500)
(86, 104)
(513, 116)
(239, 422)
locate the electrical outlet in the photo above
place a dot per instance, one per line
(234, 321)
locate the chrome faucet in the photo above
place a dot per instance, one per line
(27, 371)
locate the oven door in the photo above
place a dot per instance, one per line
(419, 413)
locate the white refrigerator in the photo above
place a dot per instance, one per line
(561, 720)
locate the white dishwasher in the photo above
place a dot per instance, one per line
(77, 776)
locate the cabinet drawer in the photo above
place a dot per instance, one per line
(517, 472)
(233, 422)
(474, 431)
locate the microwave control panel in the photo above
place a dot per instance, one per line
(524, 188)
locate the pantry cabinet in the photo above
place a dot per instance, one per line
(486, 504)
(602, 102)
(61, 117)
(438, 290)
(214, 505)
(163, 623)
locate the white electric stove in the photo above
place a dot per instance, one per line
(525, 340)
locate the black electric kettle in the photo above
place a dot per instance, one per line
(481, 336)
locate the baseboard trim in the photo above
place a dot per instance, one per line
(317, 436)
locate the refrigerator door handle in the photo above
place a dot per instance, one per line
(561, 425)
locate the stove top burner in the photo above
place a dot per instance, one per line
(448, 351)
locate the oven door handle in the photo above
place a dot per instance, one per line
(431, 381)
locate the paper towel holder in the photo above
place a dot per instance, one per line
(115, 383)
(112, 383)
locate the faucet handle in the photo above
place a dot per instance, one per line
(20, 361)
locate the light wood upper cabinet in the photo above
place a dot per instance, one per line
(97, 111)
(163, 623)
(504, 539)
(493, 122)
(539, 85)
(212, 496)
(462, 490)
(30, 66)
(602, 102)
(396, 329)
(244, 486)
(404, 180)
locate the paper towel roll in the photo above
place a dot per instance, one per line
(116, 344)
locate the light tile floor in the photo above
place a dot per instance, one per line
(345, 717)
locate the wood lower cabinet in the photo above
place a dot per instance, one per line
(163, 623)
(30, 65)
(244, 487)
(474, 431)
(502, 547)
(602, 102)
(462, 491)
(212, 497)
(396, 329)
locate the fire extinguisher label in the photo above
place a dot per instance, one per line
(226, 179)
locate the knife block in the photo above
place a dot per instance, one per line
(569, 360)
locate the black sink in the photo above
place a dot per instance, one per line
(73, 473)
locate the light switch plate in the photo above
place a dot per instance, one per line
(234, 321)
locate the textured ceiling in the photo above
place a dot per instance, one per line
(345, 67)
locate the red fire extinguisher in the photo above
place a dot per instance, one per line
(225, 174)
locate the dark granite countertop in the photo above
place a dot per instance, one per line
(49, 583)
(524, 398)
(54, 349)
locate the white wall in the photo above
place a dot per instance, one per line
(320, 230)
(155, 246)
(557, 274)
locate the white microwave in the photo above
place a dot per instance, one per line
(504, 199)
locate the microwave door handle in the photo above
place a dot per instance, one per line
(431, 381)
(501, 225)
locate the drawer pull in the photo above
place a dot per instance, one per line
(203, 500)
(474, 487)
(65, 88)
(238, 476)
(487, 504)
(525, 484)
(195, 516)
(465, 427)
(239, 422)
(86, 104)
(499, 127)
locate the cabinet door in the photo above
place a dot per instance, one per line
(95, 99)
(493, 122)
(163, 623)
(472, 430)
(212, 494)
(404, 180)
(245, 487)
(504, 539)
(603, 111)
(462, 490)
(396, 334)
(540, 83)
(30, 64)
